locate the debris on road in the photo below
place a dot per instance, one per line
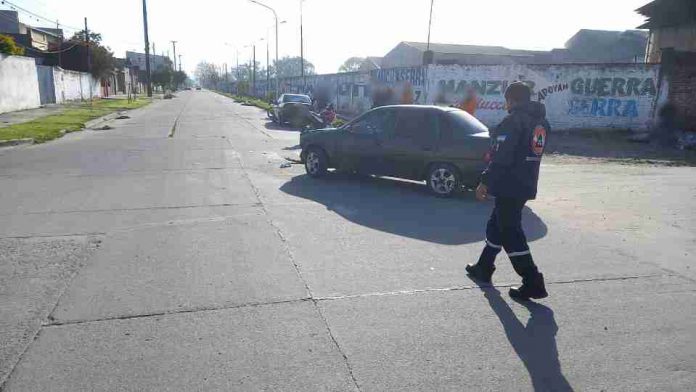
(293, 160)
(285, 165)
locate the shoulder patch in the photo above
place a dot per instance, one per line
(539, 140)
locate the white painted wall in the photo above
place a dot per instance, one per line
(74, 86)
(19, 85)
(618, 96)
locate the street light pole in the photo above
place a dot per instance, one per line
(147, 51)
(304, 81)
(275, 15)
(174, 47)
(430, 22)
(428, 55)
(268, 71)
(89, 59)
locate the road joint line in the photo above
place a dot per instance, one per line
(201, 309)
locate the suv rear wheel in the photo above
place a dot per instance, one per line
(316, 162)
(443, 179)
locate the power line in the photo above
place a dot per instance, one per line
(67, 29)
(46, 51)
(12, 5)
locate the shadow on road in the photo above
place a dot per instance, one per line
(404, 208)
(534, 343)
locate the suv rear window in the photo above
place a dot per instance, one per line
(296, 98)
(457, 124)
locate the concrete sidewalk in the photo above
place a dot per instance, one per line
(21, 116)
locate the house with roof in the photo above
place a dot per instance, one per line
(585, 46)
(371, 63)
(672, 25)
(410, 54)
(604, 46)
(30, 37)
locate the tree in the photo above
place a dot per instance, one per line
(352, 64)
(207, 74)
(9, 46)
(80, 37)
(290, 67)
(102, 58)
(102, 61)
(162, 77)
(179, 78)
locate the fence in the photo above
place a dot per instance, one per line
(25, 85)
(600, 96)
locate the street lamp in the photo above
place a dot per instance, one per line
(275, 15)
(236, 51)
(304, 81)
(268, 68)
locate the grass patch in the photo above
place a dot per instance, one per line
(72, 119)
(248, 100)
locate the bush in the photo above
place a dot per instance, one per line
(251, 101)
(9, 46)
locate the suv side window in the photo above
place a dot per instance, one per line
(448, 130)
(374, 123)
(416, 124)
(455, 126)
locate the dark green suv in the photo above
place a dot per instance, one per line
(446, 147)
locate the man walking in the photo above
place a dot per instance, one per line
(517, 147)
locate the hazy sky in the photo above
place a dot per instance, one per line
(333, 29)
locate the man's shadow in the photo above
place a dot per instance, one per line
(534, 343)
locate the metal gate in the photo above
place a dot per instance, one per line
(47, 88)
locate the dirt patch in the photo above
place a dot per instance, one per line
(590, 146)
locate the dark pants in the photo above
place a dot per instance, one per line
(504, 231)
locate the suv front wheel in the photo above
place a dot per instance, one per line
(443, 179)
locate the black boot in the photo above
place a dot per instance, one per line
(480, 272)
(484, 268)
(532, 279)
(532, 287)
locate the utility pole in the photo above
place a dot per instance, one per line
(304, 81)
(174, 46)
(60, 47)
(89, 59)
(179, 63)
(275, 15)
(428, 55)
(253, 91)
(268, 71)
(147, 50)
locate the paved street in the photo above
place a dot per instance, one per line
(135, 261)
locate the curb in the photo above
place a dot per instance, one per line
(15, 142)
(91, 124)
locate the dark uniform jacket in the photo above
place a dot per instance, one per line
(517, 145)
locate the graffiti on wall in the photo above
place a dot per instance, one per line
(398, 86)
(490, 92)
(575, 95)
(592, 96)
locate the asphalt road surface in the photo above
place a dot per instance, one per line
(135, 261)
